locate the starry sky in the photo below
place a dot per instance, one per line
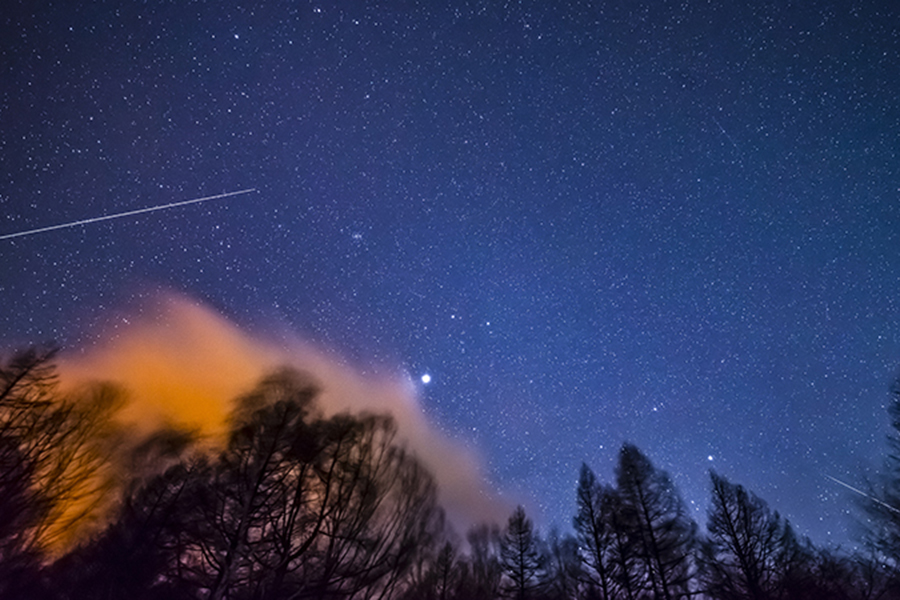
(672, 223)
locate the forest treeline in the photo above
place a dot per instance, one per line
(296, 504)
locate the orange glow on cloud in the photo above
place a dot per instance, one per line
(183, 363)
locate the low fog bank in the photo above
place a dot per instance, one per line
(183, 363)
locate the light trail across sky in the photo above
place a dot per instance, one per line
(862, 493)
(123, 214)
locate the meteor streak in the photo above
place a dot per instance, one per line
(862, 493)
(123, 214)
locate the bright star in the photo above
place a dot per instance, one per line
(426, 378)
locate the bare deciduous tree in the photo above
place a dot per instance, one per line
(55, 470)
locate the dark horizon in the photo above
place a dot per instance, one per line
(293, 501)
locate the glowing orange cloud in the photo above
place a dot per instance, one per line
(183, 363)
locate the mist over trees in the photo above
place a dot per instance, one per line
(54, 475)
(296, 504)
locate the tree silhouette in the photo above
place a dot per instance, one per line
(54, 469)
(562, 572)
(253, 508)
(138, 556)
(439, 577)
(596, 536)
(296, 505)
(658, 522)
(796, 563)
(626, 555)
(882, 505)
(484, 571)
(837, 576)
(390, 515)
(520, 556)
(743, 545)
(446, 572)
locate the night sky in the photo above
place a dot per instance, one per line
(672, 223)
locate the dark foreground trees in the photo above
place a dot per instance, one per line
(663, 535)
(296, 504)
(882, 505)
(749, 548)
(53, 470)
(636, 540)
(519, 555)
(597, 533)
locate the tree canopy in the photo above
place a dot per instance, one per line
(296, 504)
